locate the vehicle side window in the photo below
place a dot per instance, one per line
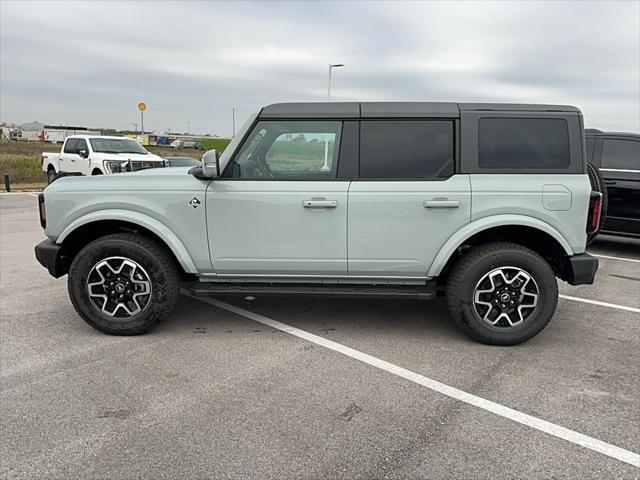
(540, 143)
(289, 150)
(81, 145)
(70, 145)
(406, 149)
(621, 154)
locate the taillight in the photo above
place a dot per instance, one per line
(595, 210)
(42, 210)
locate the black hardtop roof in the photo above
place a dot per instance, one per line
(397, 109)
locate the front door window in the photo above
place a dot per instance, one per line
(289, 150)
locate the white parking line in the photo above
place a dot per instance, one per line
(452, 392)
(615, 258)
(19, 193)
(602, 304)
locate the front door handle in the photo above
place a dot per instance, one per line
(319, 204)
(610, 182)
(441, 203)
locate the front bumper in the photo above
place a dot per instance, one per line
(581, 269)
(52, 257)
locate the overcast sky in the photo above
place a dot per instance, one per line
(90, 63)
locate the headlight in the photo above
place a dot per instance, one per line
(114, 166)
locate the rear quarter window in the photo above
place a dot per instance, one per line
(523, 143)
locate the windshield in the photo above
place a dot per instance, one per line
(116, 145)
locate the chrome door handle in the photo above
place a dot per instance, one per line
(441, 203)
(319, 204)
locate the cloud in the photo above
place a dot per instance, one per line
(91, 62)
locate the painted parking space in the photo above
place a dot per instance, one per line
(210, 389)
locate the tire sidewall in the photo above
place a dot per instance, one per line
(164, 286)
(547, 299)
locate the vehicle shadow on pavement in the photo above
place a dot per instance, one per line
(325, 316)
(616, 246)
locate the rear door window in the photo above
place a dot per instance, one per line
(70, 146)
(619, 154)
(517, 143)
(406, 149)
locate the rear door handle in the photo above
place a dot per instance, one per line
(441, 203)
(319, 203)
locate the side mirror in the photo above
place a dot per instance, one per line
(83, 153)
(210, 166)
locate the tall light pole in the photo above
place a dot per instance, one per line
(331, 67)
(233, 122)
(325, 167)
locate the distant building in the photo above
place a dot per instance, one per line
(32, 126)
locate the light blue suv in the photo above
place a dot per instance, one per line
(484, 203)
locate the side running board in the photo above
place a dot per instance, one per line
(424, 292)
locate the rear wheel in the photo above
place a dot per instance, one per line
(123, 284)
(502, 293)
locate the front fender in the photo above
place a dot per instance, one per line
(486, 223)
(161, 230)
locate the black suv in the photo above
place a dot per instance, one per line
(617, 155)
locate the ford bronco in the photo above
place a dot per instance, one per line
(485, 204)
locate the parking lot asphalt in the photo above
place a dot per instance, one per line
(216, 394)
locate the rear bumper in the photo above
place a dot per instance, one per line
(581, 269)
(51, 256)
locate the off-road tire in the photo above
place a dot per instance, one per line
(156, 261)
(479, 261)
(598, 185)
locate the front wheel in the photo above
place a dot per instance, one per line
(123, 284)
(51, 176)
(502, 293)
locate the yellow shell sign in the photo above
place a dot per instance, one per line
(142, 107)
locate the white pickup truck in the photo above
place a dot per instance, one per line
(96, 155)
